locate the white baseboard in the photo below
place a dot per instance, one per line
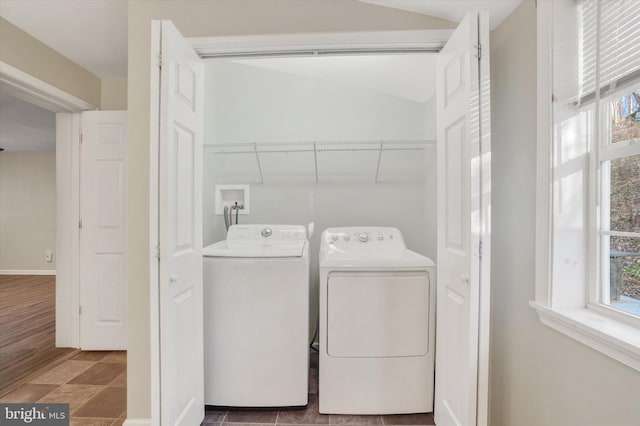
(27, 271)
(137, 422)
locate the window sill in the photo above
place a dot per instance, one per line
(602, 333)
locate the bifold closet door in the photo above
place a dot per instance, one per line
(464, 185)
(180, 229)
(103, 230)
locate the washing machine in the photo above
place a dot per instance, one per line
(377, 323)
(256, 313)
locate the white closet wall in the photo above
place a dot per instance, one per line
(247, 104)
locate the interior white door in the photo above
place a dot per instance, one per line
(103, 230)
(464, 180)
(180, 231)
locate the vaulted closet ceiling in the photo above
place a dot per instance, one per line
(407, 76)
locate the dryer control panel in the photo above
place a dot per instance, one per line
(363, 238)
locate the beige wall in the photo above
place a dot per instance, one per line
(538, 376)
(198, 18)
(27, 209)
(113, 94)
(26, 53)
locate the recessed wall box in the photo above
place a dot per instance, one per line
(229, 195)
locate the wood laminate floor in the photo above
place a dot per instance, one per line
(27, 328)
(32, 369)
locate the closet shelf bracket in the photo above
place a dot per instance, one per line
(257, 148)
(379, 159)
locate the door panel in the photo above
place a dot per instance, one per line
(455, 178)
(463, 216)
(454, 81)
(103, 265)
(184, 148)
(180, 231)
(109, 176)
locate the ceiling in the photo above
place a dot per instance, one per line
(94, 33)
(410, 76)
(24, 126)
(453, 10)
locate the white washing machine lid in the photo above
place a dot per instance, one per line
(251, 250)
(260, 241)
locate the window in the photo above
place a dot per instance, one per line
(619, 232)
(588, 246)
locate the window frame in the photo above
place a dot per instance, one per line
(598, 188)
(605, 329)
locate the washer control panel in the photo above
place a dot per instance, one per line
(252, 232)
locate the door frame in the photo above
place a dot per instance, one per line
(256, 45)
(307, 44)
(38, 92)
(67, 107)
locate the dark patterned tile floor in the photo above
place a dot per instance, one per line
(308, 416)
(92, 383)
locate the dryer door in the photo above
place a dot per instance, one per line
(378, 314)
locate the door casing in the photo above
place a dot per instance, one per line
(254, 46)
(67, 108)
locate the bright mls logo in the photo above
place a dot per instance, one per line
(34, 414)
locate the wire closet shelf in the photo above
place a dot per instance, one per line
(258, 148)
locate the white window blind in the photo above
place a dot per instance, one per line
(618, 34)
(588, 37)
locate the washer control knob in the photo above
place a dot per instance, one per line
(380, 237)
(334, 237)
(346, 237)
(363, 237)
(266, 232)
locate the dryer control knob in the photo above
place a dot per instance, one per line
(266, 232)
(380, 237)
(346, 237)
(363, 237)
(334, 237)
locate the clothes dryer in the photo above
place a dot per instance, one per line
(377, 323)
(256, 313)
